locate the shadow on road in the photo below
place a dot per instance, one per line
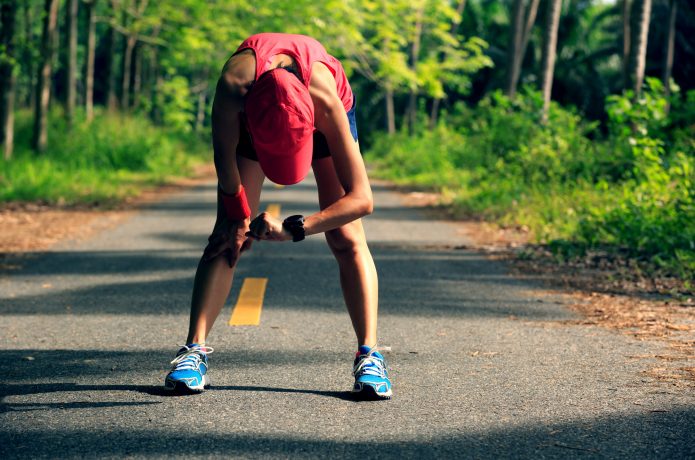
(152, 390)
(641, 435)
(414, 281)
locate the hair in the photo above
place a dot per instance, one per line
(293, 70)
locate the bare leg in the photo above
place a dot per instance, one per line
(213, 279)
(358, 277)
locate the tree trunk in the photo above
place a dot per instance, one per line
(71, 77)
(390, 111)
(522, 21)
(112, 79)
(8, 116)
(89, 68)
(157, 116)
(641, 12)
(152, 82)
(43, 84)
(137, 75)
(549, 53)
(200, 116)
(27, 55)
(434, 114)
(131, 40)
(516, 38)
(668, 58)
(411, 114)
(8, 16)
(626, 43)
(530, 21)
(127, 63)
(150, 77)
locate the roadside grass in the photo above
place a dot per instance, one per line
(629, 192)
(98, 163)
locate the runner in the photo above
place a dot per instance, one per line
(283, 105)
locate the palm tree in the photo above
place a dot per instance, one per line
(549, 52)
(641, 12)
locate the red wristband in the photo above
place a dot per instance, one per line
(236, 206)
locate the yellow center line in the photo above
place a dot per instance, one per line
(247, 311)
(274, 210)
(278, 186)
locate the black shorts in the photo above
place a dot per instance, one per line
(246, 150)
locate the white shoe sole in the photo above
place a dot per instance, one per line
(182, 387)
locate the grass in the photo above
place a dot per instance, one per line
(102, 162)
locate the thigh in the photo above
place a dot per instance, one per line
(330, 191)
(329, 187)
(252, 178)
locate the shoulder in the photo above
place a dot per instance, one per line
(237, 77)
(322, 86)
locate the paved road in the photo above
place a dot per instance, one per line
(482, 364)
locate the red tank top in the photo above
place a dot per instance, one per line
(305, 51)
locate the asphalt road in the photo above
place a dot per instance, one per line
(483, 365)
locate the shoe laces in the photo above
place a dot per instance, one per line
(190, 357)
(370, 365)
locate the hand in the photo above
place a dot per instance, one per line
(228, 238)
(266, 227)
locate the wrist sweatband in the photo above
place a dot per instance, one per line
(236, 206)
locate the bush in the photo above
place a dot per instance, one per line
(106, 160)
(632, 189)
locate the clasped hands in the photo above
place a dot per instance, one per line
(234, 237)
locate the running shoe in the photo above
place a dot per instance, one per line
(190, 368)
(371, 378)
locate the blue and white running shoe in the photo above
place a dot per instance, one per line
(190, 368)
(371, 378)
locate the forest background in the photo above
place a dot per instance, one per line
(571, 119)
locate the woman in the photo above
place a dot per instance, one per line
(283, 105)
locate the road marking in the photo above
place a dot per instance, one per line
(274, 210)
(247, 311)
(278, 186)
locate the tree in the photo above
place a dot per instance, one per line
(130, 39)
(549, 52)
(89, 65)
(28, 52)
(434, 114)
(378, 50)
(71, 77)
(522, 21)
(8, 14)
(670, 42)
(641, 11)
(111, 61)
(410, 117)
(43, 84)
(626, 42)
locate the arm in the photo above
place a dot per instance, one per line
(228, 236)
(225, 136)
(330, 118)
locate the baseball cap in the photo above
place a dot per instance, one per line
(280, 115)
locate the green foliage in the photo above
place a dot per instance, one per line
(176, 103)
(655, 212)
(633, 190)
(104, 161)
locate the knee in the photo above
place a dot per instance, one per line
(345, 241)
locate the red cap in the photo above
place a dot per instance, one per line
(280, 115)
